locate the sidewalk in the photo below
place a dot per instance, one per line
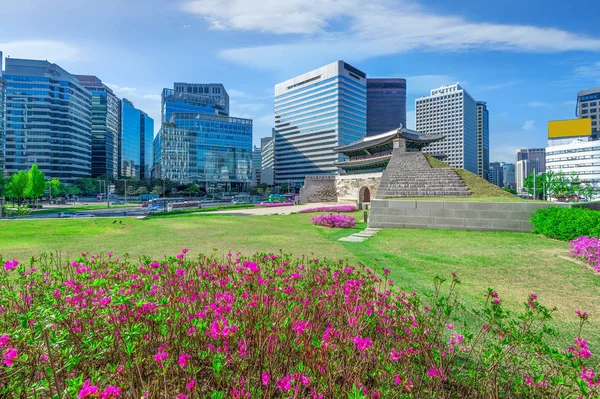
(277, 210)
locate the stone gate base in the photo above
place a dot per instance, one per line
(502, 216)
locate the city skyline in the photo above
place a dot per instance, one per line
(528, 66)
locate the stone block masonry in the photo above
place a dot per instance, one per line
(498, 216)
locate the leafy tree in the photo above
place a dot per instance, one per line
(36, 183)
(157, 190)
(141, 190)
(87, 186)
(17, 186)
(586, 191)
(72, 190)
(284, 187)
(193, 189)
(55, 187)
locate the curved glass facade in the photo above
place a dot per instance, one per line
(48, 120)
(314, 113)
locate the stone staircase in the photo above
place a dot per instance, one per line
(408, 174)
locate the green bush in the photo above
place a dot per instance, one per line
(566, 223)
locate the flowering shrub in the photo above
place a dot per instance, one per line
(274, 204)
(588, 249)
(332, 208)
(266, 327)
(340, 221)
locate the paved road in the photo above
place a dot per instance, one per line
(276, 210)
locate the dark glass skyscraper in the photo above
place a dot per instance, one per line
(105, 127)
(147, 137)
(386, 105)
(483, 140)
(48, 120)
(130, 140)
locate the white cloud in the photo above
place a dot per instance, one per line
(496, 86)
(381, 27)
(123, 90)
(528, 125)
(233, 93)
(503, 153)
(538, 104)
(588, 71)
(155, 97)
(51, 50)
(422, 84)
(250, 107)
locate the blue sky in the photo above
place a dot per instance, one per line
(527, 59)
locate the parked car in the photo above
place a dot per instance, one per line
(118, 202)
(145, 205)
(66, 214)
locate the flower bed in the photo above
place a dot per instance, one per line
(587, 249)
(275, 204)
(265, 327)
(336, 221)
(332, 208)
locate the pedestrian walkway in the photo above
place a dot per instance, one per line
(362, 236)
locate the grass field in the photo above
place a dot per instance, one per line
(515, 264)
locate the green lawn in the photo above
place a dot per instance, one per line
(515, 264)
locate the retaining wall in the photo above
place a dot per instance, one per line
(503, 216)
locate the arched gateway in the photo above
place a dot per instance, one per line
(364, 195)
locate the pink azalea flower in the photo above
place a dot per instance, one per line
(265, 378)
(110, 392)
(183, 358)
(9, 356)
(190, 385)
(11, 264)
(87, 390)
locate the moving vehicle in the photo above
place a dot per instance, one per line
(66, 214)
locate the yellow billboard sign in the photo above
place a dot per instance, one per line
(569, 128)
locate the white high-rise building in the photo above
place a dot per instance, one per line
(451, 111)
(314, 113)
(523, 169)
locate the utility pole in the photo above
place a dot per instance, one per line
(107, 192)
(125, 190)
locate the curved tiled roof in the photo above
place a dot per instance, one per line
(402, 133)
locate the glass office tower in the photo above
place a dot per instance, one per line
(130, 143)
(483, 140)
(105, 127)
(386, 105)
(314, 113)
(199, 98)
(147, 137)
(48, 120)
(214, 151)
(199, 143)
